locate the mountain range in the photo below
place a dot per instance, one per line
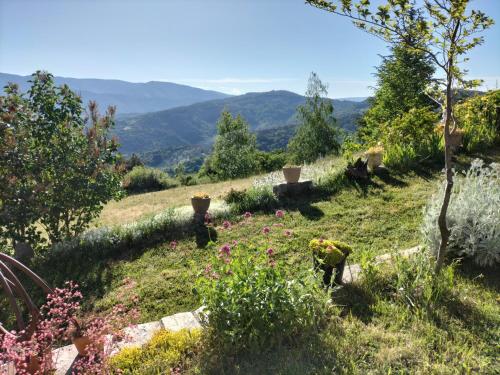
(167, 123)
(265, 112)
(128, 97)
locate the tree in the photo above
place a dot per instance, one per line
(56, 166)
(402, 79)
(234, 148)
(445, 32)
(318, 133)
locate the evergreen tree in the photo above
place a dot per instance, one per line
(402, 79)
(318, 133)
(235, 149)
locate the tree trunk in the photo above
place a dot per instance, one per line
(448, 151)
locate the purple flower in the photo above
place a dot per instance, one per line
(266, 230)
(226, 224)
(247, 215)
(280, 214)
(270, 251)
(226, 249)
(173, 245)
(288, 233)
(235, 242)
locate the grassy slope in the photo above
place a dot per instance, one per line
(379, 218)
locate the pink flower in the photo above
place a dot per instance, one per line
(266, 230)
(173, 244)
(226, 250)
(226, 224)
(270, 251)
(235, 242)
(280, 214)
(272, 263)
(287, 233)
(247, 215)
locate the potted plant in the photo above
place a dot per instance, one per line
(292, 173)
(200, 203)
(330, 255)
(374, 157)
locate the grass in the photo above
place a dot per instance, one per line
(377, 218)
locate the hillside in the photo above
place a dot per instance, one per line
(129, 97)
(195, 124)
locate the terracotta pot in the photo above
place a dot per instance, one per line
(374, 161)
(34, 366)
(328, 271)
(200, 205)
(81, 344)
(292, 174)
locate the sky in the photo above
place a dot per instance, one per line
(232, 46)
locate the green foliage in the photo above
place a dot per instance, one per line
(318, 133)
(479, 117)
(144, 179)
(165, 351)
(258, 198)
(417, 285)
(234, 149)
(411, 139)
(251, 303)
(56, 168)
(402, 79)
(270, 161)
(329, 252)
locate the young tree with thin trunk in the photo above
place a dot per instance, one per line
(445, 30)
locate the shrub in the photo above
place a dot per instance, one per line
(410, 139)
(144, 179)
(259, 198)
(479, 117)
(270, 161)
(473, 215)
(252, 305)
(165, 353)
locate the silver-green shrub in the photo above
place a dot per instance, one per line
(473, 215)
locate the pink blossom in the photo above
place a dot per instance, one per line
(280, 214)
(266, 230)
(208, 218)
(235, 242)
(247, 215)
(226, 224)
(270, 251)
(173, 245)
(288, 233)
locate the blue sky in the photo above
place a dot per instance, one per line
(234, 46)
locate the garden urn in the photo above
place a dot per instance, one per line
(291, 174)
(200, 203)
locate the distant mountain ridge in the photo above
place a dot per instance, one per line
(196, 124)
(129, 97)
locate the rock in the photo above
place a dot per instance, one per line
(140, 334)
(185, 320)
(63, 359)
(287, 189)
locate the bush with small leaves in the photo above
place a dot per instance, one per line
(473, 215)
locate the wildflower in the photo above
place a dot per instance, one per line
(280, 214)
(247, 215)
(226, 224)
(288, 233)
(226, 250)
(272, 263)
(270, 251)
(235, 242)
(266, 230)
(173, 245)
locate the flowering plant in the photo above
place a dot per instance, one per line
(329, 252)
(252, 304)
(201, 195)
